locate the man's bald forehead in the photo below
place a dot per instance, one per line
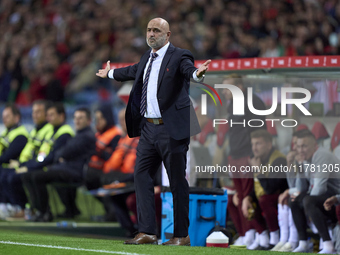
(160, 22)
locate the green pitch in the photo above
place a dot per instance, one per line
(28, 243)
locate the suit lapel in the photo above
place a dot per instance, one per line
(141, 67)
(165, 61)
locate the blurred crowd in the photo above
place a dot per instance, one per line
(51, 49)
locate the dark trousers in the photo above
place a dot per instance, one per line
(95, 179)
(2, 195)
(132, 205)
(258, 222)
(235, 216)
(36, 182)
(12, 187)
(312, 206)
(3, 198)
(155, 145)
(244, 184)
(268, 205)
(119, 206)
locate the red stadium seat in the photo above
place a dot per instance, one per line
(206, 130)
(336, 136)
(319, 130)
(221, 133)
(301, 127)
(272, 129)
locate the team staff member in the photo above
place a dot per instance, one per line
(313, 189)
(240, 152)
(334, 200)
(42, 130)
(12, 141)
(10, 180)
(108, 135)
(267, 188)
(160, 111)
(69, 163)
(53, 142)
(14, 138)
(123, 159)
(120, 168)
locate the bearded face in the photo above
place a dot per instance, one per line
(156, 42)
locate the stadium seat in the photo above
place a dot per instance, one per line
(301, 127)
(335, 137)
(319, 130)
(272, 130)
(221, 133)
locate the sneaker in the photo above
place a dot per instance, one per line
(19, 216)
(278, 246)
(254, 246)
(249, 237)
(325, 251)
(4, 213)
(301, 249)
(239, 241)
(287, 247)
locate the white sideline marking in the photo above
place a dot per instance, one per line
(69, 248)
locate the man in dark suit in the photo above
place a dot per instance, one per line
(160, 111)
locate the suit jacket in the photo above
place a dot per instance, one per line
(76, 153)
(175, 105)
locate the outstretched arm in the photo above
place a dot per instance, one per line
(202, 69)
(103, 72)
(119, 74)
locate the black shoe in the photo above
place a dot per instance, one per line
(110, 217)
(262, 248)
(35, 216)
(46, 217)
(271, 246)
(75, 211)
(66, 215)
(69, 214)
(131, 233)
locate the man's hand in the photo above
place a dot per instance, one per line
(21, 170)
(202, 69)
(103, 72)
(255, 161)
(299, 159)
(246, 205)
(61, 160)
(294, 195)
(291, 157)
(283, 197)
(330, 202)
(13, 163)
